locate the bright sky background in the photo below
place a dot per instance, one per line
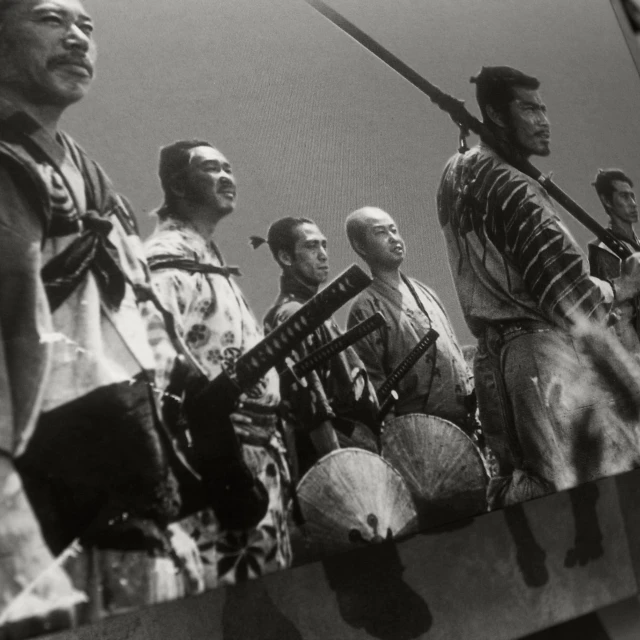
(315, 126)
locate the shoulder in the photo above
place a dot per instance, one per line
(22, 211)
(362, 302)
(285, 310)
(170, 240)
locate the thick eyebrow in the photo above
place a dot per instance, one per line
(531, 103)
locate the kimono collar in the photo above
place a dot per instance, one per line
(16, 125)
(632, 240)
(291, 286)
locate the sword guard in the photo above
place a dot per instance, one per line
(290, 365)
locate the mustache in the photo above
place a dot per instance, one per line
(79, 60)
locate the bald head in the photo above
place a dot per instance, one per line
(374, 236)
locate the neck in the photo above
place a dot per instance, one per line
(292, 283)
(622, 228)
(47, 115)
(199, 217)
(502, 143)
(388, 275)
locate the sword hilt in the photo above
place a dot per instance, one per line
(324, 353)
(283, 339)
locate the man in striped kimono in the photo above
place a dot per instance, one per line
(82, 454)
(523, 285)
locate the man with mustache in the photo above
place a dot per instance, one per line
(300, 249)
(80, 449)
(440, 382)
(523, 285)
(214, 320)
(615, 190)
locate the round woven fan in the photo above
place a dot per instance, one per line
(443, 468)
(351, 498)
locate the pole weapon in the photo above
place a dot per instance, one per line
(467, 123)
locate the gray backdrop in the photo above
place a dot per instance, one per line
(316, 126)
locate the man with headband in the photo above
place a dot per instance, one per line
(217, 326)
(615, 190)
(524, 285)
(300, 249)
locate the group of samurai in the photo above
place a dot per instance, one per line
(107, 343)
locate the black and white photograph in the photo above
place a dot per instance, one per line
(326, 312)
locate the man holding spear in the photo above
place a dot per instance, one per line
(524, 286)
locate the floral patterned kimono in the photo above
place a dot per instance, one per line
(217, 326)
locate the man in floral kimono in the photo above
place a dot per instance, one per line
(217, 326)
(440, 382)
(351, 407)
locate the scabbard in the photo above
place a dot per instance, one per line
(321, 355)
(394, 378)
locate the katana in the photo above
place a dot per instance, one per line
(387, 393)
(466, 122)
(321, 355)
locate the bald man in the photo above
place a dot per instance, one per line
(440, 384)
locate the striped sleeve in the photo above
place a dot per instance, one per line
(525, 229)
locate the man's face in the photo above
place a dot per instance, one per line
(383, 245)
(622, 204)
(47, 52)
(310, 260)
(528, 125)
(208, 181)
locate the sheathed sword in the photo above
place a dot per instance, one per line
(238, 498)
(466, 122)
(387, 388)
(317, 358)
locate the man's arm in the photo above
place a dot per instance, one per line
(522, 225)
(24, 330)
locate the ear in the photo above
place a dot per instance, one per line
(177, 188)
(358, 247)
(496, 117)
(284, 258)
(606, 202)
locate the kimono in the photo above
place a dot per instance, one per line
(440, 383)
(524, 286)
(216, 325)
(78, 417)
(344, 379)
(605, 264)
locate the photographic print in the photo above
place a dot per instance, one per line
(282, 280)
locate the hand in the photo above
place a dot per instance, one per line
(628, 284)
(188, 555)
(240, 422)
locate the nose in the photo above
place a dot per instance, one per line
(323, 254)
(543, 118)
(225, 180)
(77, 39)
